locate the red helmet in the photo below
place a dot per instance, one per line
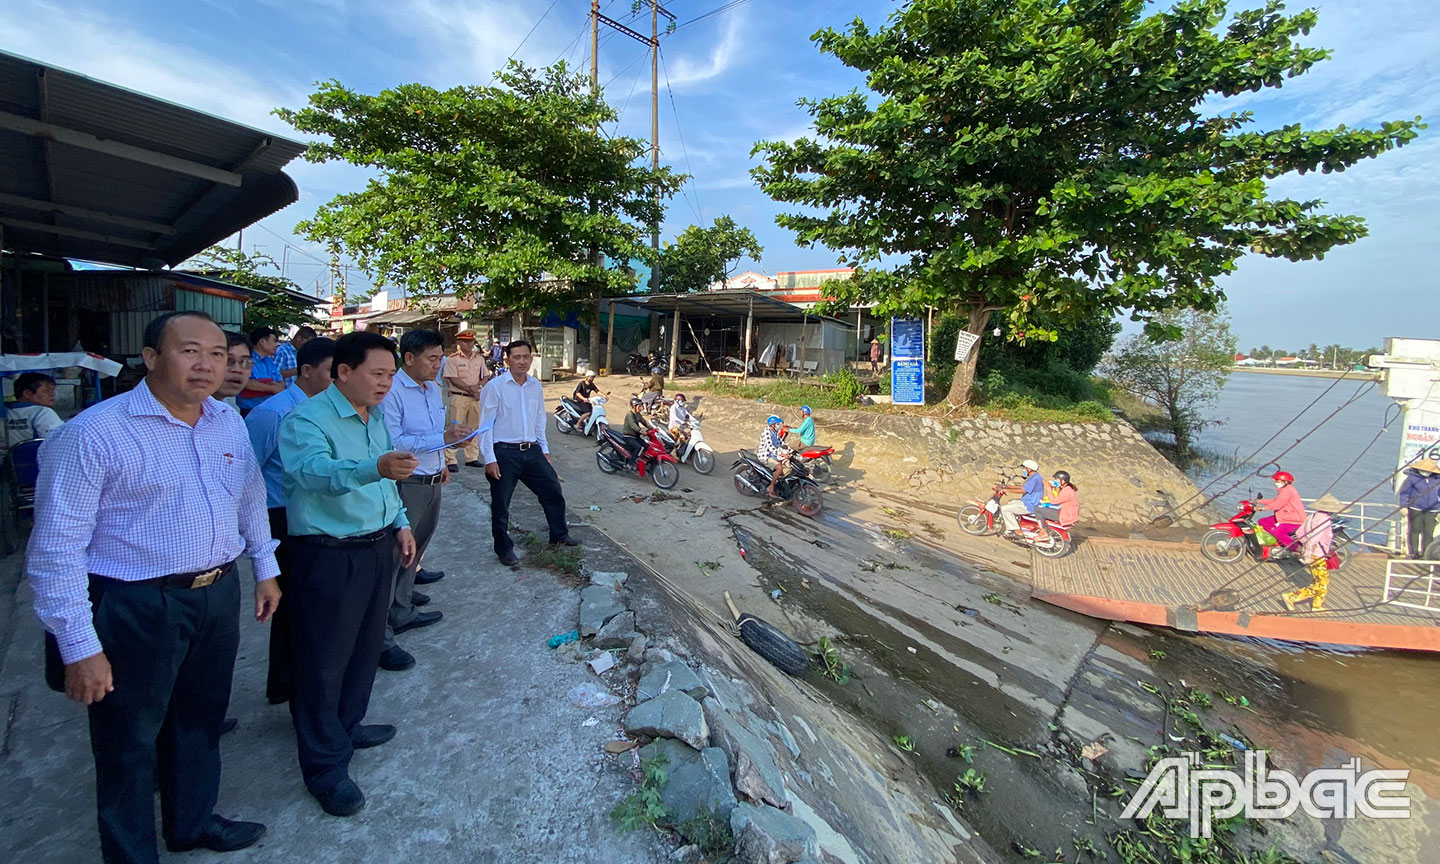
(1284, 477)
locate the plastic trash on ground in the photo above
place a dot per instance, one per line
(592, 695)
(562, 638)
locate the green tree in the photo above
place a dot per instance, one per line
(275, 307)
(1180, 376)
(700, 256)
(1014, 157)
(507, 191)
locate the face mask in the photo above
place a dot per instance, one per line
(1279, 485)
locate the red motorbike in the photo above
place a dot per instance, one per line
(1042, 532)
(1241, 535)
(614, 454)
(815, 459)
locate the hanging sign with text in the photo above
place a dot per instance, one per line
(907, 361)
(964, 344)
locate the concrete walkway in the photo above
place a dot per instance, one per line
(492, 762)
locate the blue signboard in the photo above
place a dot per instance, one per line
(907, 361)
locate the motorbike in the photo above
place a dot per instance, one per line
(637, 364)
(569, 414)
(596, 423)
(1041, 532)
(694, 449)
(817, 459)
(752, 477)
(613, 454)
(658, 409)
(1241, 536)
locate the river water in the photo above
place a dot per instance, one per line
(1255, 406)
(1320, 706)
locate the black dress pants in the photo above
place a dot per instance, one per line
(172, 656)
(277, 680)
(338, 599)
(530, 467)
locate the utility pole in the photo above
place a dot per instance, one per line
(594, 47)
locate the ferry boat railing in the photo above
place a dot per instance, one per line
(1412, 583)
(1372, 524)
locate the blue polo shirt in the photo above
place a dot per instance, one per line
(1034, 491)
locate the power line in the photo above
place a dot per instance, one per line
(532, 30)
(734, 4)
(694, 189)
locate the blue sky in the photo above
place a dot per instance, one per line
(734, 79)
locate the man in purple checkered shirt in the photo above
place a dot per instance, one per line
(144, 504)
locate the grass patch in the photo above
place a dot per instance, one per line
(562, 559)
(642, 808)
(827, 659)
(837, 389)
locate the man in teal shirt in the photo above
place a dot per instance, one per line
(806, 429)
(348, 530)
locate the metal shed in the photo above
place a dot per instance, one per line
(97, 172)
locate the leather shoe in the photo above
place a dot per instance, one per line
(475, 463)
(228, 725)
(419, 599)
(344, 799)
(509, 559)
(421, 619)
(396, 659)
(222, 835)
(371, 735)
(565, 541)
(425, 577)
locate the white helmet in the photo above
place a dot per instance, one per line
(1031, 464)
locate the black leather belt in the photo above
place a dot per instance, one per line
(517, 445)
(425, 479)
(196, 579)
(359, 541)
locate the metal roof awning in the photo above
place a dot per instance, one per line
(727, 303)
(96, 172)
(403, 317)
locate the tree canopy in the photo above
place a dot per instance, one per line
(1030, 156)
(487, 189)
(700, 256)
(275, 307)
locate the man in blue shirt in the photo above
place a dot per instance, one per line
(415, 415)
(1031, 494)
(263, 424)
(265, 380)
(806, 429)
(346, 525)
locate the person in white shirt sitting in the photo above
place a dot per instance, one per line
(33, 414)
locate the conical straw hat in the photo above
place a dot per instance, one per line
(1327, 503)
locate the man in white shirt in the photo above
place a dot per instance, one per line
(513, 445)
(415, 415)
(33, 414)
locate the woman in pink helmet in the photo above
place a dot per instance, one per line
(1289, 510)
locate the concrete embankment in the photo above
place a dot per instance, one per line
(1124, 482)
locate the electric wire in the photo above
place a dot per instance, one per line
(543, 16)
(734, 4)
(690, 170)
(1389, 418)
(1201, 492)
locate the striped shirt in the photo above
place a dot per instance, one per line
(129, 492)
(285, 359)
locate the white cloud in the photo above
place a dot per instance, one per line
(467, 41)
(685, 71)
(96, 45)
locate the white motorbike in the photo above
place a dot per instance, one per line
(570, 414)
(694, 451)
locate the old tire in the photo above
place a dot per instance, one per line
(972, 520)
(807, 500)
(740, 477)
(665, 474)
(767, 641)
(1218, 545)
(601, 458)
(704, 461)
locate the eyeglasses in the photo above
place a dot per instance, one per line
(232, 363)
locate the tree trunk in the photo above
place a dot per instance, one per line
(595, 362)
(964, 381)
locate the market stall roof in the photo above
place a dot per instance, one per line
(729, 303)
(93, 171)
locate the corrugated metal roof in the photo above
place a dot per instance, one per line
(97, 172)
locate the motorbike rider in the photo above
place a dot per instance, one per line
(679, 418)
(773, 452)
(1289, 510)
(583, 391)
(654, 388)
(635, 425)
(806, 429)
(1031, 492)
(1064, 495)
